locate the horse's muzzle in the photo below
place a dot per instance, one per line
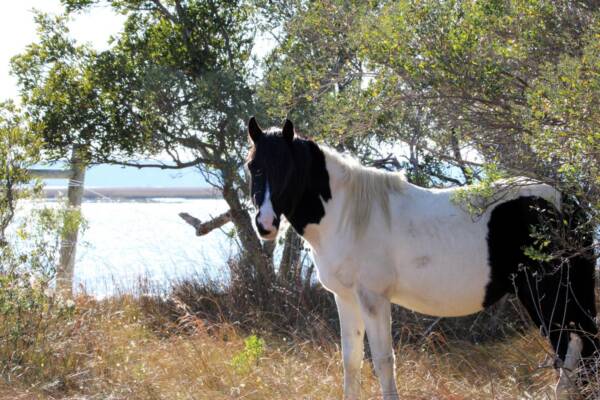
(267, 232)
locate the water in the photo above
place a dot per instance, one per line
(117, 176)
(128, 240)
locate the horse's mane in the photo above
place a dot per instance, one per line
(367, 187)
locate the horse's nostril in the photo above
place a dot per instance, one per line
(262, 230)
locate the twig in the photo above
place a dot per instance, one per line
(430, 328)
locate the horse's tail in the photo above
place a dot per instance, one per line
(582, 265)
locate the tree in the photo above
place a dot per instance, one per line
(468, 91)
(514, 80)
(65, 109)
(37, 227)
(176, 81)
(19, 150)
(320, 74)
(314, 75)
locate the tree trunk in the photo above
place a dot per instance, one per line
(290, 258)
(269, 248)
(70, 232)
(251, 244)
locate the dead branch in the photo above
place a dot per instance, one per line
(203, 228)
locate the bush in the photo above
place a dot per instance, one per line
(28, 248)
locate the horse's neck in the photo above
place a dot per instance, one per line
(360, 197)
(336, 169)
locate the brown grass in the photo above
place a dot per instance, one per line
(113, 349)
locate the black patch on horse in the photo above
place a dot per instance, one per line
(315, 183)
(557, 294)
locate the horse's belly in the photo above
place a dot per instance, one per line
(430, 270)
(441, 266)
(439, 305)
(441, 280)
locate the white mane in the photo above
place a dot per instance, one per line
(367, 188)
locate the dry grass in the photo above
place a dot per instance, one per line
(113, 350)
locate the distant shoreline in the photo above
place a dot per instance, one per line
(138, 192)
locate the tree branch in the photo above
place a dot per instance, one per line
(458, 156)
(159, 165)
(203, 228)
(164, 11)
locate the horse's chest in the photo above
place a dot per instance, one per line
(337, 276)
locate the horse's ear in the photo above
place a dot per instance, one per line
(288, 131)
(254, 130)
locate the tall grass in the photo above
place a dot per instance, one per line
(199, 341)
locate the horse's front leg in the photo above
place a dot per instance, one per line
(376, 311)
(352, 331)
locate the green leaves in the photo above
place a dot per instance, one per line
(176, 77)
(564, 114)
(245, 360)
(19, 150)
(315, 72)
(60, 93)
(516, 82)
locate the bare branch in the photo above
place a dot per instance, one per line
(389, 163)
(458, 157)
(203, 228)
(445, 178)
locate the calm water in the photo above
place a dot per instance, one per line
(128, 240)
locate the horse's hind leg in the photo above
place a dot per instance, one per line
(565, 387)
(561, 302)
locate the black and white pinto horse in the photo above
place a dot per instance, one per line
(377, 239)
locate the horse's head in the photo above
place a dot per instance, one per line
(271, 166)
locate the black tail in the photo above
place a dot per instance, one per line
(581, 262)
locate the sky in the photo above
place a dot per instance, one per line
(18, 29)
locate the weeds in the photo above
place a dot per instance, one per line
(245, 360)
